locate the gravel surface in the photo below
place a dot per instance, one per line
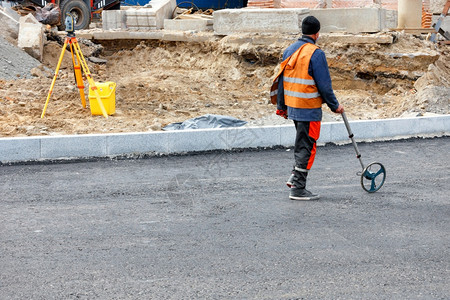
(221, 226)
(14, 62)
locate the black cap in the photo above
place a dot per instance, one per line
(310, 25)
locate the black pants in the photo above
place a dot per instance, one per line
(304, 150)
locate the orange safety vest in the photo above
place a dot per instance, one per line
(300, 90)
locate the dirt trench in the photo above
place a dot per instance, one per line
(163, 82)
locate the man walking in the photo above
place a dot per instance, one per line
(299, 89)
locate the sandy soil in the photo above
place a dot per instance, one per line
(163, 82)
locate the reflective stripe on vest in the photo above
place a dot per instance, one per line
(302, 95)
(299, 80)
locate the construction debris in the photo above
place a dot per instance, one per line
(166, 77)
(14, 62)
(50, 14)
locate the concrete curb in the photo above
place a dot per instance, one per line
(43, 148)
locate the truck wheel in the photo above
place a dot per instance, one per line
(80, 12)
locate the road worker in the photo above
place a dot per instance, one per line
(302, 84)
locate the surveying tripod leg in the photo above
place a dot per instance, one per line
(92, 85)
(54, 77)
(78, 76)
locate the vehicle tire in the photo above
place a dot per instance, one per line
(79, 10)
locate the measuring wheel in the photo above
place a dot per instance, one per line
(372, 177)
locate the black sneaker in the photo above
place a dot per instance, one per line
(290, 182)
(302, 194)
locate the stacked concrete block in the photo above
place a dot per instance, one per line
(230, 21)
(141, 19)
(10, 25)
(388, 19)
(31, 36)
(150, 17)
(113, 19)
(355, 20)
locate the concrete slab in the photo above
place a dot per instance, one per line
(325, 134)
(150, 35)
(73, 146)
(389, 18)
(164, 10)
(20, 149)
(196, 140)
(141, 23)
(230, 21)
(125, 35)
(31, 36)
(338, 132)
(126, 143)
(113, 19)
(355, 20)
(186, 25)
(355, 39)
(230, 42)
(253, 137)
(287, 135)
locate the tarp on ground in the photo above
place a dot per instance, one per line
(206, 121)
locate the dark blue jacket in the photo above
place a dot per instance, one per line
(318, 69)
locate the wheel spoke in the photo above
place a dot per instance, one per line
(373, 185)
(379, 172)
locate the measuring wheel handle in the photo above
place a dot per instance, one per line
(373, 177)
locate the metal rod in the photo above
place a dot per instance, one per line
(350, 135)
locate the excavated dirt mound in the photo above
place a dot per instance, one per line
(163, 82)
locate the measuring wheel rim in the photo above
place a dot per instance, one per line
(373, 177)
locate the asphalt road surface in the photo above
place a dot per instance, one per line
(220, 226)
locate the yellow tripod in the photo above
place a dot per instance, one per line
(78, 60)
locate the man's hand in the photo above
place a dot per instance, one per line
(282, 113)
(340, 109)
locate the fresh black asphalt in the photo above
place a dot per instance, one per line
(220, 226)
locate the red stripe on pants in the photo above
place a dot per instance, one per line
(314, 132)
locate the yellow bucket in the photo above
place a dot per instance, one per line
(107, 92)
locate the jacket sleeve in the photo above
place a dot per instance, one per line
(318, 69)
(280, 95)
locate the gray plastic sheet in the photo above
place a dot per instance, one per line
(206, 121)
